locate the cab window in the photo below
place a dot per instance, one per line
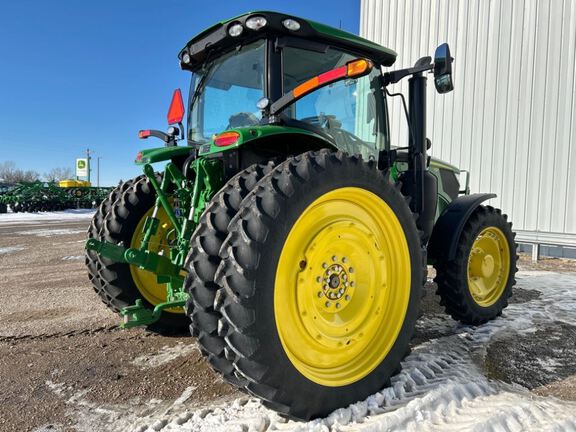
(345, 110)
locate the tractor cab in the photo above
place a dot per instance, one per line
(265, 73)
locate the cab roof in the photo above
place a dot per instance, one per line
(216, 38)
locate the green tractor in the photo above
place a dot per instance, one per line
(290, 233)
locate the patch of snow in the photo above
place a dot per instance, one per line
(186, 394)
(29, 218)
(134, 415)
(440, 386)
(10, 249)
(57, 388)
(165, 355)
(49, 232)
(73, 257)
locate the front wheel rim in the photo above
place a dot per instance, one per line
(342, 286)
(488, 266)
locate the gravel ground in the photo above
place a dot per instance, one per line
(558, 265)
(62, 357)
(59, 344)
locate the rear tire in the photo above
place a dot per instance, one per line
(93, 260)
(299, 360)
(473, 287)
(203, 260)
(114, 282)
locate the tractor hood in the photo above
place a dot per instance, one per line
(438, 163)
(221, 38)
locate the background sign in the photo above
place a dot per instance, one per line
(81, 167)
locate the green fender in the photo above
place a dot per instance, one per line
(159, 154)
(253, 133)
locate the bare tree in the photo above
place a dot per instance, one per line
(7, 170)
(57, 174)
(10, 174)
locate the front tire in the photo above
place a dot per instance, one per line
(321, 277)
(475, 287)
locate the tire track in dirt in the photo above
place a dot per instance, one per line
(105, 329)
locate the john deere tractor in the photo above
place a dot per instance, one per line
(289, 232)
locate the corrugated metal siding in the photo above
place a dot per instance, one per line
(512, 116)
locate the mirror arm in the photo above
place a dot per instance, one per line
(395, 76)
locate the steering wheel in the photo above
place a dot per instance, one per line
(331, 123)
(324, 121)
(353, 140)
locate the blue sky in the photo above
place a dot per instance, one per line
(90, 74)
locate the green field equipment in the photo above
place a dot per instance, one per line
(83, 194)
(290, 234)
(49, 196)
(5, 189)
(37, 197)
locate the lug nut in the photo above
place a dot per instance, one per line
(320, 294)
(351, 269)
(324, 265)
(327, 304)
(344, 259)
(318, 279)
(352, 283)
(334, 258)
(347, 298)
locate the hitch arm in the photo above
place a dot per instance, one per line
(158, 264)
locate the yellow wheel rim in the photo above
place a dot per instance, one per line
(488, 266)
(342, 286)
(144, 280)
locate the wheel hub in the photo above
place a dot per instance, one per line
(336, 284)
(487, 266)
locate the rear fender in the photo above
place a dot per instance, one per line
(159, 154)
(449, 226)
(253, 135)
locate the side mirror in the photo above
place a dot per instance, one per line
(176, 110)
(443, 69)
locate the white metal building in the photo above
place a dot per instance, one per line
(511, 120)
